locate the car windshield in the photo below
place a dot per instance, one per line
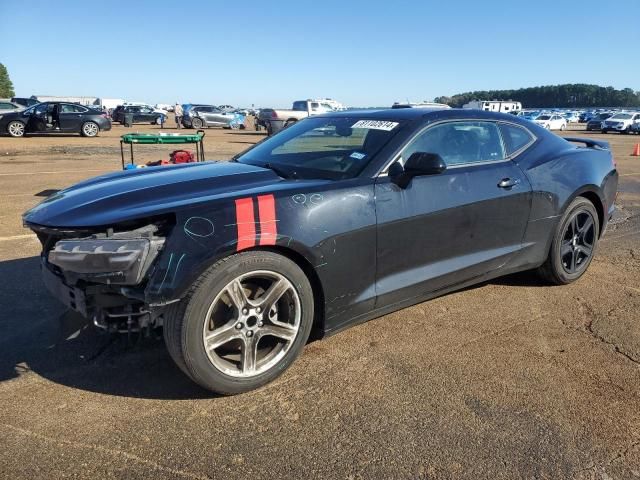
(544, 117)
(621, 116)
(322, 147)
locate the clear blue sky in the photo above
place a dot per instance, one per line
(268, 53)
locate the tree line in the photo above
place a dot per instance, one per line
(6, 87)
(573, 95)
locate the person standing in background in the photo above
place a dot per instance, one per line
(178, 113)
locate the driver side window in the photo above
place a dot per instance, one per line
(459, 143)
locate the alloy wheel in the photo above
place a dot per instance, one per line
(16, 129)
(578, 241)
(90, 129)
(252, 324)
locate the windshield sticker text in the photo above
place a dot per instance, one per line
(375, 125)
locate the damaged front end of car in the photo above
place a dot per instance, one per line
(102, 273)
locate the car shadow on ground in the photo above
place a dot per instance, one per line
(37, 334)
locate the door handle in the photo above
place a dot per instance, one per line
(508, 183)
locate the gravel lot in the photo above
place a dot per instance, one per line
(510, 379)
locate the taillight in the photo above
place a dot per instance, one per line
(104, 115)
(274, 114)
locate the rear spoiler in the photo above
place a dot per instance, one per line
(597, 144)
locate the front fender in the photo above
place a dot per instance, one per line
(334, 231)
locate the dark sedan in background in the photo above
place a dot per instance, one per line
(55, 117)
(140, 114)
(335, 220)
(595, 123)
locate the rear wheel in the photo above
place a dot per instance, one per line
(243, 322)
(573, 244)
(89, 129)
(16, 129)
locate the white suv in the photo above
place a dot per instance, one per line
(620, 122)
(551, 122)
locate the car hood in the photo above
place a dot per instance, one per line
(151, 191)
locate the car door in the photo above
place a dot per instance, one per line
(145, 115)
(71, 117)
(41, 119)
(205, 114)
(218, 117)
(444, 229)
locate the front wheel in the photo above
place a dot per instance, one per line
(288, 123)
(89, 129)
(243, 322)
(197, 123)
(573, 244)
(16, 129)
(563, 127)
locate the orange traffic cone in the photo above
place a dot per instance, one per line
(636, 150)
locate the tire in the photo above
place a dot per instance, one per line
(556, 269)
(196, 123)
(290, 122)
(563, 127)
(208, 303)
(16, 129)
(89, 129)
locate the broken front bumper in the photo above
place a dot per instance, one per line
(72, 297)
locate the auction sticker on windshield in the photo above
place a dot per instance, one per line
(375, 125)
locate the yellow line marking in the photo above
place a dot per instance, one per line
(628, 174)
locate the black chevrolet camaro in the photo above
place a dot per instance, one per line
(337, 219)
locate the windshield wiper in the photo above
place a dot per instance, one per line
(280, 172)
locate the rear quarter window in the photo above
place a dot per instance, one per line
(515, 138)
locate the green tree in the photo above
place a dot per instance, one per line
(561, 96)
(6, 87)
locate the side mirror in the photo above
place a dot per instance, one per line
(419, 163)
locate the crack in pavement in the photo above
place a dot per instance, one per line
(617, 457)
(588, 330)
(110, 451)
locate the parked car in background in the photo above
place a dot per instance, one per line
(427, 105)
(571, 117)
(323, 234)
(275, 120)
(7, 106)
(551, 122)
(199, 116)
(25, 102)
(55, 117)
(141, 114)
(620, 122)
(595, 123)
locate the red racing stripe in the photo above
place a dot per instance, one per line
(268, 224)
(246, 223)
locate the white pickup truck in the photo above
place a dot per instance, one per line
(275, 120)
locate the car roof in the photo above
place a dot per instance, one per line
(408, 114)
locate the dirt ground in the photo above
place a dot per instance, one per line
(510, 379)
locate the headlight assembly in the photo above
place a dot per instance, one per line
(106, 260)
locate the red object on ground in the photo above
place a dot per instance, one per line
(636, 151)
(182, 156)
(158, 163)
